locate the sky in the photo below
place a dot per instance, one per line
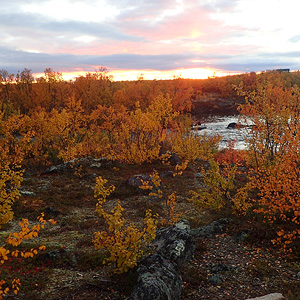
(157, 38)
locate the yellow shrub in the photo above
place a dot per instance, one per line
(190, 146)
(123, 240)
(170, 201)
(219, 190)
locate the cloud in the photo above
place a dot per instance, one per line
(295, 39)
(17, 60)
(38, 23)
(219, 5)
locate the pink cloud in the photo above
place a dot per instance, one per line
(195, 23)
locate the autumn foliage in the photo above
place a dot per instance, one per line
(124, 241)
(273, 156)
(48, 121)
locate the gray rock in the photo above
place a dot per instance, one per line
(233, 125)
(242, 236)
(174, 159)
(158, 276)
(215, 279)
(158, 279)
(175, 243)
(274, 296)
(27, 193)
(96, 165)
(198, 175)
(53, 170)
(210, 230)
(137, 181)
(221, 267)
(165, 174)
(85, 161)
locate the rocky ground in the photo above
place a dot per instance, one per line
(235, 270)
(210, 104)
(235, 261)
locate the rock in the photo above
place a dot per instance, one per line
(137, 181)
(242, 236)
(158, 279)
(215, 279)
(74, 163)
(61, 256)
(158, 276)
(174, 159)
(27, 193)
(198, 175)
(274, 296)
(210, 230)
(198, 127)
(175, 243)
(51, 212)
(233, 125)
(165, 174)
(53, 170)
(96, 165)
(221, 267)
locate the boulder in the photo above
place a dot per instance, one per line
(210, 230)
(175, 243)
(233, 125)
(274, 296)
(157, 279)
(198, 127)
(174, 159)
(137, 181)
(158, 276)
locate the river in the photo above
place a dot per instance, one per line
(218, 125)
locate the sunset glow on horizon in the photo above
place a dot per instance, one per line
(131, 75)
(160, 38)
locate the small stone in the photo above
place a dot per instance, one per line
(96, 165)
(198, 175)
(28, 194)
(274, 296)
(215, 279)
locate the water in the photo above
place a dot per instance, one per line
(218, 125)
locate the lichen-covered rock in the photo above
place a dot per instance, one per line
(158, 276)
(210, 230)
(175, 243)
(158, 279)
